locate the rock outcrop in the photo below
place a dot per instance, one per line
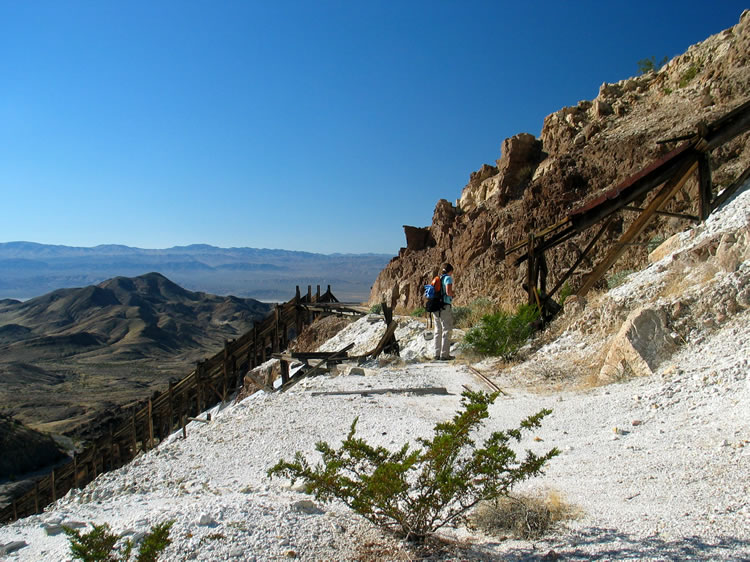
(582, 150)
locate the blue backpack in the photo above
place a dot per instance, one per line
(433, 294)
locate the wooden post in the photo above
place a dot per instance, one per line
(254, 362)
(182, 423)
(317, 294)
(52, 485)
(669, 190)
(297, 312)
(276, 330)
(309, 318)
(15, 510)
(225, 372)
(75, 470)
(134, 436)
(171, 404)
(150, 424)
(530, 271)
(199, 385)
(704, 186)
(284, 372)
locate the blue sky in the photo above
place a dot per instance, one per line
(311, 125)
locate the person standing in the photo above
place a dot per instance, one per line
(444, 318)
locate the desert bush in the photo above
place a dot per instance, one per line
(418, 312)
(525, 516)
(565, 292)
(466, 317)
(649, 64)
(376, 309)
(502, 333)
(618, 278)
(460, 315)
(415, 492)
(654, 243)
(99, 544)
(689, 74)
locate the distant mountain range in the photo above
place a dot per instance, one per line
(73, 355)
(28, 269)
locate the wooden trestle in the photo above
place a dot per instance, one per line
(671, 172)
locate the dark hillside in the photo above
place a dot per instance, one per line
(67, 354)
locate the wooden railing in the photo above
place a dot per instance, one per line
(212, 381)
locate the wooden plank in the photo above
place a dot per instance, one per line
(693, 218)
(419, 391)
(669, 190)
(704, 186)
(729, 191)
(586, 251)
(340, 354)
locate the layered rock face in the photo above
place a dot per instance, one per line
(582, 150)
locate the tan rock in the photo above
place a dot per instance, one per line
(641, 344)
(669, 246)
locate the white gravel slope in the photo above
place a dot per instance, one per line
(659, 466)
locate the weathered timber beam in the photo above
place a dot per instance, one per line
(664, 213)
(540, 234)
(559, 238)
(730, 190)
(633, 188)
(365, 392)
(669, 190)
(726, 128)
(586, 252)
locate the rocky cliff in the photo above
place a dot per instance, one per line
(582, 150)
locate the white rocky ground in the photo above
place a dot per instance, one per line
(658, 465)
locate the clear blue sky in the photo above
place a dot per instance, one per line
(311, 125)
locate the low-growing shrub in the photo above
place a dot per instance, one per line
(524, 516)
(503, 333)
(99, 544)
(415, 492)
(376, 309)
(649, 64)
(617, 279)
(418, 312)
(689, 74)
(565, 292)
(466, 317)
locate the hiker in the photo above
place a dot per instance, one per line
(443, 317)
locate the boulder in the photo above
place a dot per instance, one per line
(417, 238)
(642, 343)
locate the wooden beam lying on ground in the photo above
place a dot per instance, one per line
(364, 392)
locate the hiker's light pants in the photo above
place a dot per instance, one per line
(443, 327)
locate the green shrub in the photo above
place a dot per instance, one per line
(99, 544)
(460, 314)
(654, 243)
(617, 279)
(414, 493)
(418, 312)
(689, 74)
(466, 317)
(502, 333)
(649, 64)
(376, 309)
(565, 292)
